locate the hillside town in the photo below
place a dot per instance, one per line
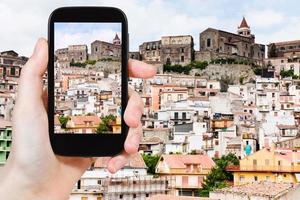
(88, 88)
(219, 123)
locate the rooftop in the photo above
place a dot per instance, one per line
(170, 197)
(267, 189)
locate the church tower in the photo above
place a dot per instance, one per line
(116, 40)
(244, 29)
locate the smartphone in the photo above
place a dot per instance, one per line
(87, 81)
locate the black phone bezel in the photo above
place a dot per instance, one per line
(87, 145)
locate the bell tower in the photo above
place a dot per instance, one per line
(244, 29)
(116, 40)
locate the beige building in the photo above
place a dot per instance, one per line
(150, 51)
(177, 49)
(189, 172)
(285, 48)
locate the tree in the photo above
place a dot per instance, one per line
(151, 162)
(104, 126)
(63, 120)
(218, 176)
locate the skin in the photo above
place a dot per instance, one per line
(32, 170)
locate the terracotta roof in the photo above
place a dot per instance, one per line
(136, 161)
(80, 120)
(180, 161)
(170, 197)
(4, 124)
(244, 24)
(269, 189)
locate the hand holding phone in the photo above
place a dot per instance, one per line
(87, 81)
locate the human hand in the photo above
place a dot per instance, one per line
(32, 170)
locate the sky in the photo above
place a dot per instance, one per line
(23, 22)
(84, 33)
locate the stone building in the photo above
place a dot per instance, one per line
(169, 50)
(101, 49)
(150, 51)
(77, 53)
(221, 44)
(73, 53)
(177, 49)
(285, 48)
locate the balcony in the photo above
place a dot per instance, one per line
(264, 168)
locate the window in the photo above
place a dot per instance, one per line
(168, 61)
(184, 115)
(96, 49)
(208, 42)
(182, 50)
(182, 58)
(255, 178)
(134, 196)
(254, 162)
(12, 71)
(176, 115)
(121, 196)
(147, 195)
(99, 182)
(180, 96)
(169, 97)
(273, 95)
(267, 162)
(242, 178)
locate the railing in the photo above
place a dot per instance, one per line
(271, 168)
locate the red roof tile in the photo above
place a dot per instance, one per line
(244, 24)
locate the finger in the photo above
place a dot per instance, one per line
(30, 89)
(117, 162)
(139, 69)
(133, 139)
(134, 109)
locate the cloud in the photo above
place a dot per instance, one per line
(264, 18)
(23, 22)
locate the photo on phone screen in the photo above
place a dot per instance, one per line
(87, 78)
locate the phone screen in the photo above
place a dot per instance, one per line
(87, 78)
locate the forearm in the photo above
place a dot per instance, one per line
(13, 186)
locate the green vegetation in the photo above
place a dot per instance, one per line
(187, 68)
(218, 176)
(241, 79)
(83, 64)
(108, 59)
(78, 64)
(150, 161)
(104, 126)
(288, 73)
(63, 120)
(90, 62)
(177, 69)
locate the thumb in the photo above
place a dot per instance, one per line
(30, 89)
